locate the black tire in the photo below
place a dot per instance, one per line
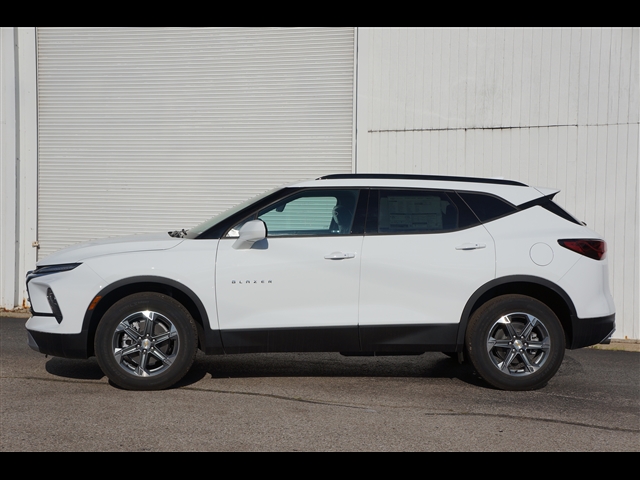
(515, 342)
(146, 341)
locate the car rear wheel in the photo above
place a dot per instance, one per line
(146, 341)
(515, 342)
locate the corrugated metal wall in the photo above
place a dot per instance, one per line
(549, 107)
(149, 128)
(8, 199)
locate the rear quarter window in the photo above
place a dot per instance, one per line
(487, 207)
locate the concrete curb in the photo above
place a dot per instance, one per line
(617, 345)
(620, 345)
(15, 313)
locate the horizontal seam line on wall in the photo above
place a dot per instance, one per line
(500, 128)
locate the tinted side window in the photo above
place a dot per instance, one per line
(420, 211)
(487, 207)
(313, 212)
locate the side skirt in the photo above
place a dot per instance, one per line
(409, 338)
(403, 339)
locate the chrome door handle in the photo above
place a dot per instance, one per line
(339, 256)
(471, 246)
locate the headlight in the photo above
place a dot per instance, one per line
(51, 269)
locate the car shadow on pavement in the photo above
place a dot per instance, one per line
(430, 365)
(74, 369)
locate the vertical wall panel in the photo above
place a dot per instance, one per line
(8, 170)
(549, 107)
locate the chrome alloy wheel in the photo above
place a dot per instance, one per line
(518, 344)
(145, 344)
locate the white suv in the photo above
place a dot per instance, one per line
(357, 264)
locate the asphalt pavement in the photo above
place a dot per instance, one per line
(315, 402)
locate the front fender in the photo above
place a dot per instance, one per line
(211, 341)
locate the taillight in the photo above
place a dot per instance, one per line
(596, 249)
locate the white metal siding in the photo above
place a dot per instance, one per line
(8, 199)
(151, 129)
(18, 162)
(550, 107)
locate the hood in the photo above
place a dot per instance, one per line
(110, 246)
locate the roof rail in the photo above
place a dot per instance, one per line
(441, 178)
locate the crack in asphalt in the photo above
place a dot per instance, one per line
(361, 408)
(279, 397)
(195, 389)
(543, 420)
(53, 380)
(434, 414)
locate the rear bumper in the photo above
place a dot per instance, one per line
(591, 331)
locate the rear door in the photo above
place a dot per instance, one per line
(425, 253)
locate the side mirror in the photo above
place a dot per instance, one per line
(250, 233)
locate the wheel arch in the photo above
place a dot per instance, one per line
(539, 288)
(208, 340)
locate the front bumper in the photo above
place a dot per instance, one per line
(63, 345)
(592, 331)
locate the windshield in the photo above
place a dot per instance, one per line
(198, 230)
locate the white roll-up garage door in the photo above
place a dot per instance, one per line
(154, 129)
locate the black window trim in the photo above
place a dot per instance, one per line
(366, 210)
(548, 204)
(543, 202)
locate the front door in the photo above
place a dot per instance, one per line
(297, 290)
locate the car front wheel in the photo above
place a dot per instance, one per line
(515, 342)
(146, 341)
